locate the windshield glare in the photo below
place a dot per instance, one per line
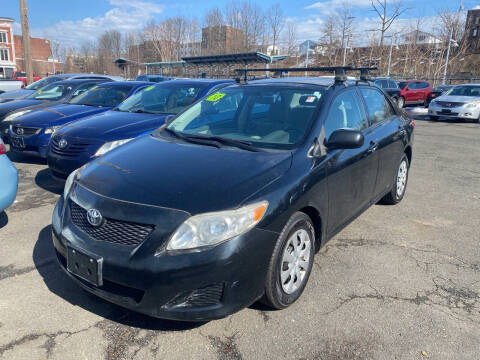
(165, 98)
(264, 116)
(51, 92)
(43, 82)
(105, 96)
(464, 91)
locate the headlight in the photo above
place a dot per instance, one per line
(110, 146)
(213, 228)
(51, 129)
(68, 184)
(473, 104)
(15, 115)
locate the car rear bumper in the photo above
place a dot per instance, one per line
(190, 286)
(8, 182)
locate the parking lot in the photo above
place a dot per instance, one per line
(401, 282)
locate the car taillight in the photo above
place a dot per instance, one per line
(431, 95)
(3, 149)
(413, 123)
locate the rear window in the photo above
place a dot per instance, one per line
(402, 84)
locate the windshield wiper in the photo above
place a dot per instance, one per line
(190, 139)
(141, 111)
(244, 145)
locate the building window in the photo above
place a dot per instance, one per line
(4, 54)
(477, 20)
(3, 37)
(475, 32)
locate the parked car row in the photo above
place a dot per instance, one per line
(190, 199)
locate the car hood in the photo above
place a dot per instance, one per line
(183, 176)
(57, 115)
(15, 95)
(10, 106)
(457, 98)
(113, 125)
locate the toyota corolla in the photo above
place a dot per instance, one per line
(228, 203)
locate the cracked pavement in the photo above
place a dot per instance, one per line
(397, 281)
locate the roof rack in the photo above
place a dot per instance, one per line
(339, 71)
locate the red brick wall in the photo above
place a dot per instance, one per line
(40, 48)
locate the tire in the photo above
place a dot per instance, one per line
(425, 104)
(433, 117)
(399, 188)
(400, 102)
(281, 294)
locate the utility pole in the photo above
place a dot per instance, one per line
(27, 54)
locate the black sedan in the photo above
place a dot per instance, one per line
(391, 88)
(229, 202)
(53, 94)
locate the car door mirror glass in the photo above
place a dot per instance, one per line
(345, 139)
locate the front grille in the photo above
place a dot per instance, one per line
(449, 104)
(207, 296)
(71, 150)
(114, 231)
(25, 131)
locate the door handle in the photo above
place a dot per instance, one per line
(373, 147)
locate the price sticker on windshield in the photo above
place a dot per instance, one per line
(215, 97)
(149, 88)
(39, 92)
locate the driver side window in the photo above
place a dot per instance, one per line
(345, 113)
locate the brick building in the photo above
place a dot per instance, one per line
(472, 30)
(7, 48)
(222, 39)
(42, 61)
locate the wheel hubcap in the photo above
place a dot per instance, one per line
(295, 261)
(402, 178)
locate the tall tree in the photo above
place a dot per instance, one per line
(276, 22)
(387, 13)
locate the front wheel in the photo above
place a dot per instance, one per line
(400, 102)
(400, 184)
(291, 262)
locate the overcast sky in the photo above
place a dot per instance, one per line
(75, 21)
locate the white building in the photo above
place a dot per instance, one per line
(420, 38)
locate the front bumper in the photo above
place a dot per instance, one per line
(461, 112)
(169, 285)
(36, 145)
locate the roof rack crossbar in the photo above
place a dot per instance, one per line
(339, 71)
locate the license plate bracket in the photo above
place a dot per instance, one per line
(85, 265)
(18, 142)
(446, 111)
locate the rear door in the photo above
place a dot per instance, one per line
(386, 128)
(351, 172)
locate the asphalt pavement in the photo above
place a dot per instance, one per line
(400, 282)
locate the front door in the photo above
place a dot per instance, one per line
(351, 173)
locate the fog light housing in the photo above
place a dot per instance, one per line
(207, 296)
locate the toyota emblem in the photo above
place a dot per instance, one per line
(20, 131)
(62, 144)
(94, 217)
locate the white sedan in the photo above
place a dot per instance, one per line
(460, 102)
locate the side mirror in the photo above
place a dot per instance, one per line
(345, 139)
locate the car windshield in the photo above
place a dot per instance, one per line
(464, 91)
(402, 84)
(262, 116)
(43, 82)
(52, 92)
(104, 96)
(165, 98)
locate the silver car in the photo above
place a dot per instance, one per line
(460, 102)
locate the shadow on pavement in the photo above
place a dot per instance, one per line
(46, 181)
(25, 159)
(3, 219)
(61, 285)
